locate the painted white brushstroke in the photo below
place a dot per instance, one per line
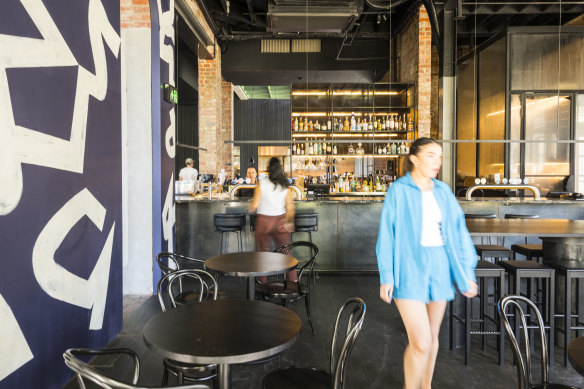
(168, 216)
(57, 281)
(22, 145)
(14, 349)
(167, 55)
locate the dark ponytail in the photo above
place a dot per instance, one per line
(276, 174)
(415, 149)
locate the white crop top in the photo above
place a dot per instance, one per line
(273, 198)
(431, 219)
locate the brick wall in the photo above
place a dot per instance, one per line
(227, 126)
(134, 14)
(210, 117)
(434, 108)
(424, 73)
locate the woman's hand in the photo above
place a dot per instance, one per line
(289, 227)
(386, 292)
(472, 291)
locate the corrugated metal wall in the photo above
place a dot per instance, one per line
(260, 120)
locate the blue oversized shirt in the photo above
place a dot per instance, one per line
(398, 242)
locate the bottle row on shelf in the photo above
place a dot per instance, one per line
(314, 148)
(390, 122)
(346, 183)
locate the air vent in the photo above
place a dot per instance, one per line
(275, 46)
(306, 45)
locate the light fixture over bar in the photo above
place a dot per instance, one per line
(343, 93)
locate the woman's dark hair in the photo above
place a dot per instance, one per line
(276, 174)
(415, 149)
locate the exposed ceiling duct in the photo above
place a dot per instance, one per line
(312, 15)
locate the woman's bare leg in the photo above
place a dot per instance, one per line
(414, 314)
(435, 315)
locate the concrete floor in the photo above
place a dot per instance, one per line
(376, 361)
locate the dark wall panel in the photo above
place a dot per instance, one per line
(60, 186)
(260, 120)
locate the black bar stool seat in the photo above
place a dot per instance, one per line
(493, 251)
(570, 270)
(306, 222)
(532, 270)
(530, 251)
(484, 272)
(229, 222)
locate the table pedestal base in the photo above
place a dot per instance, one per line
(224, 376)
(251, 288)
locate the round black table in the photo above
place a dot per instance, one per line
(222, 332)
(576, 354)
(251, 264)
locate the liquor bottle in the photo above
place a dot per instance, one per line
(346, 124)
(377, 184)
(329, 149)
(351, 149)
(294, 149)
(353, 122)
(393, 148)
(386, 123)
(404, 124)
(370, 127)
(407, 148)
(380, 124)
(375, 123)
(305, 124)
(328, 123)
(317, 126)
(310, 126)
(341, 184)
(410, 124)
(398, 123)
(319, 149)
(379, 149)
(305, 149)
(310, 149)
(296, 124)
(391, 123)
(335, 149)
(385, 149)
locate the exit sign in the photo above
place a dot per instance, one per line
(170, 94)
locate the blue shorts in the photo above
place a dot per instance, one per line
(429, 280)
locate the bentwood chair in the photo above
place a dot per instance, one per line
(297, 377)
(85, 372)
(524, 368)
(194, 285)
(176, 262)
(288, 291)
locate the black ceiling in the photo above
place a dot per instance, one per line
(354, 33)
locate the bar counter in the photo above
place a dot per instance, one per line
(347, 226)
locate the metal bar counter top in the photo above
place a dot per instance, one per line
(347, 227)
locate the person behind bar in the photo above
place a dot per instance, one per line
(273, 201)
(423, 247)
(252, 174)
(188, 173)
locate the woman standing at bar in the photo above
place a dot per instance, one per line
(423, 247)
(274, 203)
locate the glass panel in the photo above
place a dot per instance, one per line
(492, 108)
(515, 148)
(546, 120)
(535, 59)
(466, 124)
(579, 147)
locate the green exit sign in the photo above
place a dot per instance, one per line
(170, 94)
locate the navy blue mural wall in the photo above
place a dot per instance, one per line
(60, 185)
(163, 128)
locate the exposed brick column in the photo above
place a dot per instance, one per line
(435, 109)
(424, 73)
(227, 126)
(134, 14)
(210, 117)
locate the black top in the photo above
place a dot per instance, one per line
(222, 331)
(526, 227)
(252, 263)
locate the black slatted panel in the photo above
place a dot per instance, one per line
(260, 120)
(187, 132)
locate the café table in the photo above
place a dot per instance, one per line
(251, 264)
(222, 332)
(576, 354)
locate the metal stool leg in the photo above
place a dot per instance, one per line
(551, 301)
(467, 323)
(567, 315)
(483, 304)
(499, 324)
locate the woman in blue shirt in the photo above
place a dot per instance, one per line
(423, 247)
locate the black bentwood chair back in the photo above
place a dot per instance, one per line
(194, 285)
(84, 371)
(296, 378)
(524, 364)
(288, 291)
(177, 262)
(201, 285)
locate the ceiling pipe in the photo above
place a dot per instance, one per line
(386, 5)
(252, 16)
(245, 35)
(429, 5)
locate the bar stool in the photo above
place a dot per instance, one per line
(252, 223)
(531, 271)
(306, 222)
(484, 272)
(229, 222)
(570, 270)
(530, 251)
